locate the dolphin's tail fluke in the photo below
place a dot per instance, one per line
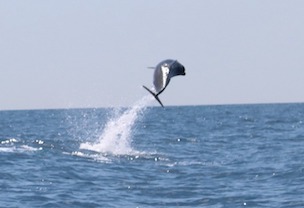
(154, 95)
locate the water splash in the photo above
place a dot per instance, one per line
(116, 136)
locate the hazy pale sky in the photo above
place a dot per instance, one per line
(75, 53)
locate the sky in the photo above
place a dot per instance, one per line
(96, 53)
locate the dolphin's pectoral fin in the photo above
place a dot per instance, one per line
(154, 95)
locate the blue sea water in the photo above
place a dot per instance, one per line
(192, 156)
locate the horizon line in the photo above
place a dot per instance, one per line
(152, 106)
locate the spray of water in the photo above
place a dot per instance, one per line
(117, 134)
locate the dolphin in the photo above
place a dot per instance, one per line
(163, 72)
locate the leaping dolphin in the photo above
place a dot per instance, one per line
(164, 71)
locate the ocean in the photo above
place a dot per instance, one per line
(141, 156)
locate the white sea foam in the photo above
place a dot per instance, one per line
(16, 145)
(97, 157)
(19, 149)
(9, 141)
(7, 149)
(27, 148)
(116, 137)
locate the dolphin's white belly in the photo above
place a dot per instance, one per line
(160, 78)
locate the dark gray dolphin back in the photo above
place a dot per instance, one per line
(176, 69)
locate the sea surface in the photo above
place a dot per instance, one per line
(191, 156)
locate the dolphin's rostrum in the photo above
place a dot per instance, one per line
(164, 71)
